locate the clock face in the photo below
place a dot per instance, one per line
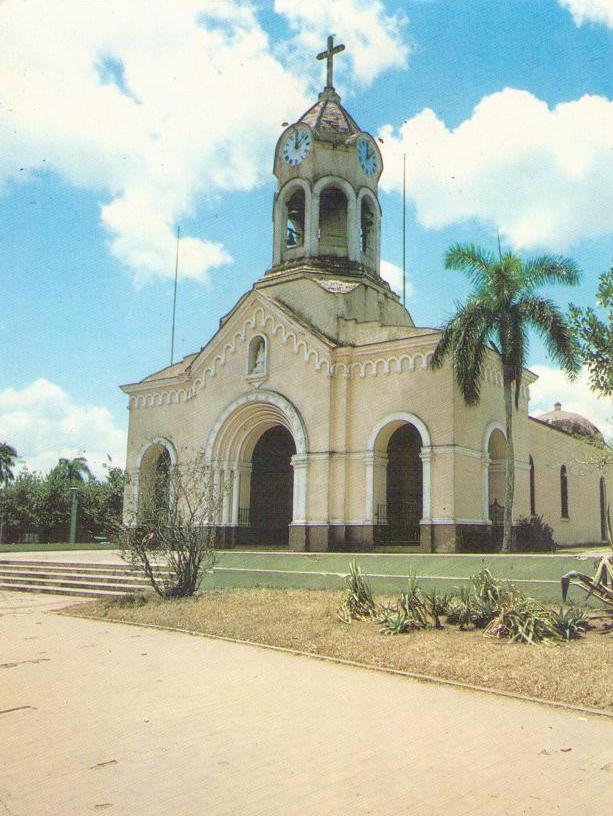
(367, 156)
(296, 147)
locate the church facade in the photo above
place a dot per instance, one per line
(314, 406)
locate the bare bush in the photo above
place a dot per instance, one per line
(171, 532)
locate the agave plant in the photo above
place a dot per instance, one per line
(414, 603)
(601, 583)
(570, 622)
(524, 620)
(396, 622)
(358, 603)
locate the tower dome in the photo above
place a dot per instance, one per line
(326, 212)
(571, 423)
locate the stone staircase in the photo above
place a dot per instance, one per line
(74, 579)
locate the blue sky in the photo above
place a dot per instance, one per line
(135, 117)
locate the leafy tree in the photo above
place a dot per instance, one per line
(73, 470)
(8, 454)
(596, 336)
(503, 305)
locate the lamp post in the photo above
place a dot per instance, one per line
(73, 514)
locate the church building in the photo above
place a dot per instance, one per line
(314, 406)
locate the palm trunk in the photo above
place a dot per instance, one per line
(509, 469)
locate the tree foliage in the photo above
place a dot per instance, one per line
(595, 336)
(35, 503)
(171, 532)
(503, 305)
(8, 454)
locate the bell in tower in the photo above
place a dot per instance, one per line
(327, 215)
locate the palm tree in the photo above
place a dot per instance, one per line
(8, 454)
(73, 470)
(497, 314)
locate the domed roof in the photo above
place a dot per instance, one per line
(570, 422)
(329, 119)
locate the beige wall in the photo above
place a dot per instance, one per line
(340, 413)
(551, 449)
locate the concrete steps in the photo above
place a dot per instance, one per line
(74, 579)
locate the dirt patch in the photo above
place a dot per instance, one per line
(578, 673)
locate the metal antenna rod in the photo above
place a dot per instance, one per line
(404, 229)
(174, 301)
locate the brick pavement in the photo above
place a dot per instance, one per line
(121, 720)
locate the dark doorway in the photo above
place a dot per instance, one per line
(272, 487)
(404, 486)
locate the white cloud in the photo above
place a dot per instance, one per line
(590, 11)
(153, 106)
(542, 176)
(553, 386)
(43, 423)
(374, 39)
(393, 275)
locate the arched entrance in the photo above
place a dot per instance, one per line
(153, 481)
(257, 452)
(399, 480)
(496, 482)
(272, 487)
(404, 488)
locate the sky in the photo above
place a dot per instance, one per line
(120, 121)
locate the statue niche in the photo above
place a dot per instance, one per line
(257, 360)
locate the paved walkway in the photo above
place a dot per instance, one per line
(100, 717)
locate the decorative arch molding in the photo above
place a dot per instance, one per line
(164, 443)
(298, 344)
(494, 425)
(225, 441)
(376, 460)
(398, 418)
(232, 439)
(366, 192)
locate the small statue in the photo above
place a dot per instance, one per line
(259, 366)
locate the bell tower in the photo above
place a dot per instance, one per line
(327, 215)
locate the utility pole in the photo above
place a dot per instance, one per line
(174, 301)
(404, 229)
(73, 514)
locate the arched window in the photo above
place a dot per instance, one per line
(333, 222)
(295, 220)
(257, 356)
(532, 489)
(368, 237)
(564, 491)
(603, 509)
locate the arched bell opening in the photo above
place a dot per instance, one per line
(294, 236)
(333, 221)
(271, 489)
(368, 233)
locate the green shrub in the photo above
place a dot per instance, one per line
(533, 535)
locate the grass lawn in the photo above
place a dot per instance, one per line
(578, 673)
(62, 545)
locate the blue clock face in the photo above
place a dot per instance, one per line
(367, 156)
(296, 147)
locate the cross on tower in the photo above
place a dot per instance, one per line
(328, 55)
